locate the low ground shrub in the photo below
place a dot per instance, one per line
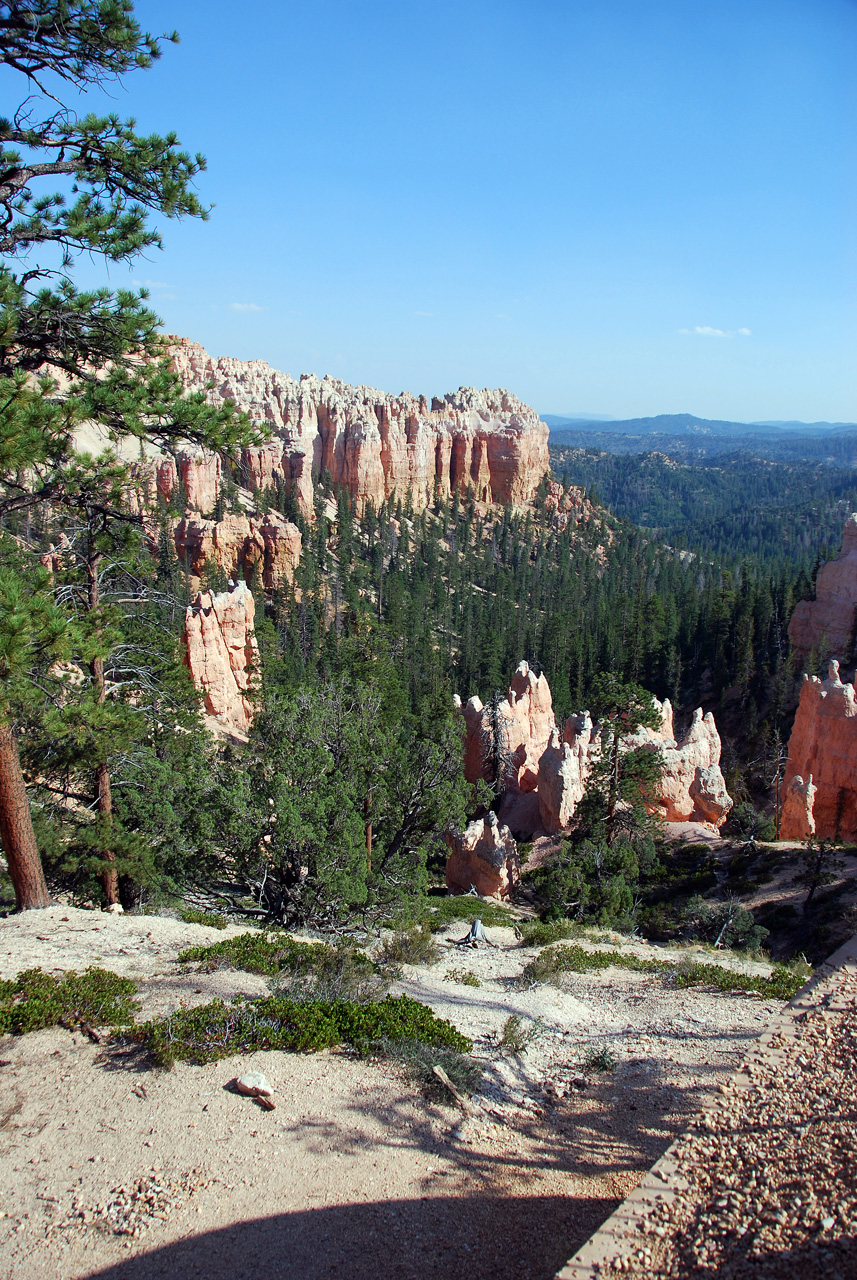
(466, 977)
(518, 1035)
(553, 962)
(420, 1059)
(218, 1030)
(95, 998)
(464, 907)
(190, 915)
(597, 1059)
(255, 952)
(540, 933)
(301, 970)
(410, 946)
(342, 972)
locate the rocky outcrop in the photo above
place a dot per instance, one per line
(522, 724)
(563, 770)
(797, 820)
(692, 787)
(827, 625)
(222, 654)
(238, 544)
(823, 750)
(374, 444)
(483, 857)
(546, 773)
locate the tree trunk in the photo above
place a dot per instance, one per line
(109, 878)
(613, 793)
(16, 829)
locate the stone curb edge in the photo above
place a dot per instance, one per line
(617, 1236)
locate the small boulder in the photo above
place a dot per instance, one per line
(254, 1084)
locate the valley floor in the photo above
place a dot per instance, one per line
(355, 1172)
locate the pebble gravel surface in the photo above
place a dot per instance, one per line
(766, 1183)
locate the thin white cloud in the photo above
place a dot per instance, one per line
(423, 313)
(151, 284)
(245, 306)
(708, 331)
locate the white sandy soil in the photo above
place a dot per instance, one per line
(115, 1169)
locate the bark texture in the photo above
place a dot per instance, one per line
(16, 829)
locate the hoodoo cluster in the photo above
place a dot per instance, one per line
(546, 775)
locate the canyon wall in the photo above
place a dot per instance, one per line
(827, 625)
(546, 771)
(222, 654)
(372, 443)
(820, 785)
(239, 545)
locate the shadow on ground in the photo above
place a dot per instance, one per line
(482, 1237)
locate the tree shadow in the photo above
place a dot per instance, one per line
(484, 1237)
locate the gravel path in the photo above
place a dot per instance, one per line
(766, 1182)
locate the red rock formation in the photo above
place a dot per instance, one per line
(222, 653)
(692, 787)
(371, 443)
(200, 473)
(827, 625)
(566, 506)
(797, 820)
(553, 771)
(527, 721)
(823, 748)
(563, 770)
(483, 857)
(238, 543)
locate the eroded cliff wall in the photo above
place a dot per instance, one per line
(372, 443)
(821, 774)
(827, 625)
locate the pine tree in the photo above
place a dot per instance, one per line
(48, 328)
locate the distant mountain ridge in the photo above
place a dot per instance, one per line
(684, 424)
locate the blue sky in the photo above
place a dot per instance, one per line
(605, 206)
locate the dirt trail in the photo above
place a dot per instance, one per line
(114, 1169)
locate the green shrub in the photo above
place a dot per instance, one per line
(341, 972)
(517, 1036)
(302, 970)
(466, 908)
(602, 1059)
(727, 923)
(466, 977)
(420, 1059)
(410, 946)
(256, 952)
(540, 933)
(555, 961)
(95, 998)
(217, 1030)
(745, 823)
(191, 916)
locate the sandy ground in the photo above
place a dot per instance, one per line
(354, 1173)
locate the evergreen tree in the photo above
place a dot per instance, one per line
(94, 339)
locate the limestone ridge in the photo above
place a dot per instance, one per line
(547, 772)
(372, 444)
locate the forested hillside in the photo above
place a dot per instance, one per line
(785, 515)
